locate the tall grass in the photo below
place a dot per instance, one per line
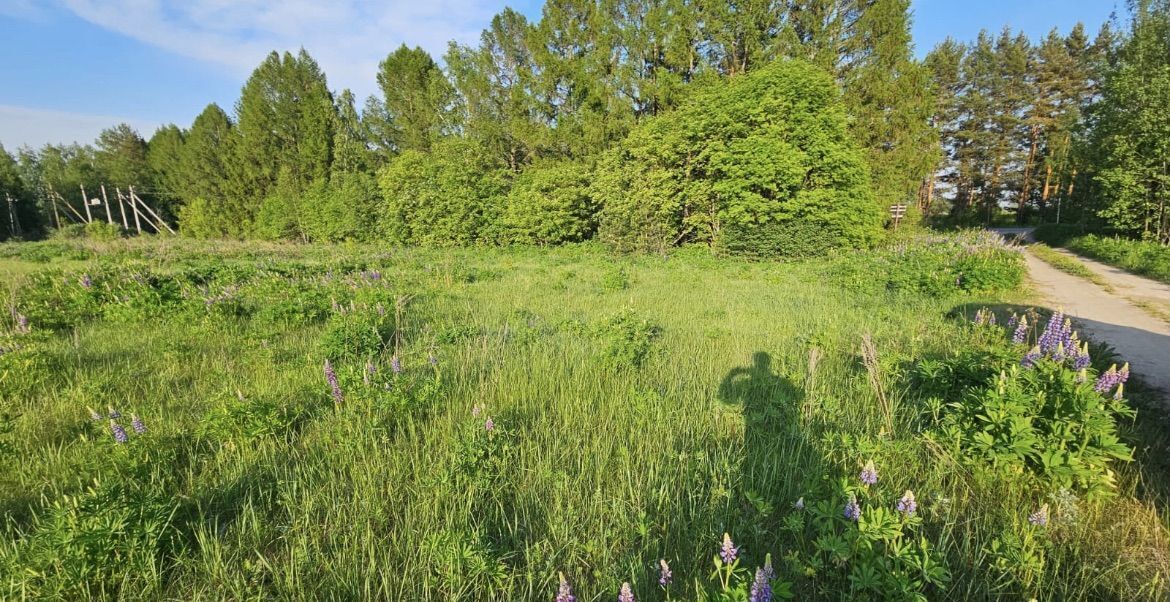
(642, 407)
(1142, 257)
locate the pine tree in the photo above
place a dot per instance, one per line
(351, 149)
(212, 208)
(121, 157)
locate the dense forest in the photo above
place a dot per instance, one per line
(765, 128)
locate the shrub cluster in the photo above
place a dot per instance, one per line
(936, 265)
(1144, 257)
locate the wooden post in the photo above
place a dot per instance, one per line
(106, 202)
(85, 201)
(137, 224)
(80, 218)
(122, 208)
(156, 217)
(53, 199)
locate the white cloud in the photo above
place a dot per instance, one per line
(347, 37)
(21, 126)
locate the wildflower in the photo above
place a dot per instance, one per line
(1031, 357)
(1021, 330)
(1058, 353)
(432, 360)
(852, 509)
(119, 432)
(476, 410)
(1119, 392)
(93, 414)
(1039, 518)
(22, 324)
(86, 281)
(114, 413)
(564, 592)
(1123, 375)
(331, 377)
(626, 595)
(490, 425)
(1081, 360)
(136, 422)
(729, 552)
(907, 505)
(396, 365)
(762, 586)
(1053, 332)
(1107, 380)
(799, 505)
(869, 474)
(664, 574)
(1013, 321)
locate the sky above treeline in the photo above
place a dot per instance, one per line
(73, 67)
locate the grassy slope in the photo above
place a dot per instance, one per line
(606, 469)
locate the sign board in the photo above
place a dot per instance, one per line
(897, 212)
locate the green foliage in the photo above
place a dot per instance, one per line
(935, 266)
(98, 230)
(1145, 258)
(765, 151)
(628, 339)
(344, 208)
(549, 204)
(449, 196)
(357, 332)
(416, 100)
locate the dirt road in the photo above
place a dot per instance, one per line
(1138, 337)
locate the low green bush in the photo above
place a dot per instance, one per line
(1142, 257)
(934, 266)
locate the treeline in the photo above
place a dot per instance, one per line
(758, 127)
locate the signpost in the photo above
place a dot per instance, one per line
(897, 212)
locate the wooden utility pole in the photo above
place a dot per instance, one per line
(152, 213)
(53, 199)
(106, 202)
(13, 220)
(137, 224)
(122, 208)
(85, 201)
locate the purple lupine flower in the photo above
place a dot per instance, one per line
(1013, 321)
(626, 595)
(93, 414)
(564, 592)
(728, 551)
(1117, 395)
(1058, 353)
(331, 377)
(1031, 357)
(396, 365)
(907, 505)
(119, 432)
(1082, 360)
(86, 281)
(799, 505)
(664, 574)
(852, 509)
(869, 474)
(114, 413)
(762, 587)
(1123, 374)
(1039, 518)
(476, 410)
(1053, 332)
(1107, 380)
(1021, 330)
(137, 424)
(22, 324)
(489, 425)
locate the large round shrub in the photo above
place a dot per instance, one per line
(762, 164)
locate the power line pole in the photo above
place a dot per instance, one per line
(13, 220)
(85, 201)
(106, 202)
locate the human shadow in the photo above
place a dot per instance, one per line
(780, 462)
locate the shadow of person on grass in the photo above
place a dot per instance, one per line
(779, 461)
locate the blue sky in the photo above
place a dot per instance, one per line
(73, 67)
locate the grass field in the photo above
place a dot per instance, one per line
(503, 417)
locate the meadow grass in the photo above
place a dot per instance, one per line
(641, 407)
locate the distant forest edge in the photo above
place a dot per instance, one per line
(770, 128)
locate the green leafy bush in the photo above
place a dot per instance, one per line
(98, 230)
(763, 165)
(628, 339)
(549, 204)
(450, 196)
(357, 332)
